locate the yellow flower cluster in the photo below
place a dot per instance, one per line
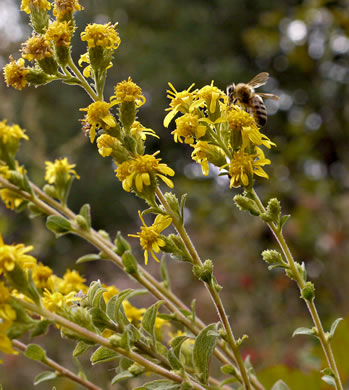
(15, 74)
(64, 9)
(128, 91)
(28, 6)
(104, 35)
(60, 171)
(221, 134)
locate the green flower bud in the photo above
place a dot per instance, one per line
(129, 262)
(82, 223)
(122, 245)
(246, 204)
(308, 292)
(135, 369)
(50, 190)
(272, 256)
(127, 114)
(62, 53)
(49, 65)
(37, 77)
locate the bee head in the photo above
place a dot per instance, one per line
(230, 92)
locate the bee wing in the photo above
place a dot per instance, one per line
(269, 96)
(259, 80)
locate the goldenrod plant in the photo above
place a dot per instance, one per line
(165, 345)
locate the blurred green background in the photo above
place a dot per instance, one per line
(304, 45)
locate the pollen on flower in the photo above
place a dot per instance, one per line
(15, 74)
(104, 35)
(98, 115)
(41, 275)
(189, 128)
(37, 47)
(239, 118)
(243, 166)
(59, 170)
(64, 9)
(128, 91)
(28, 5)
(150, 237)
(60, 33)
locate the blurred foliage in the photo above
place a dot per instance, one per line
(304, 45)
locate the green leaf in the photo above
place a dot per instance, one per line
(283, 220)
(35, 352)
(182, 205)
(58, 225)
(89, 257)
(164, 273)
(44, 376)
(174, 352)
(102, 355)
(228, 369)
(81, 347)
(121, 376)
(149, 317)
(305, 331)
(334, 326)
(85, 212)
(280, 385)
(203, 348)
(41, 328)
(161, 384)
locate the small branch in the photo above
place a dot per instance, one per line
(59, 369)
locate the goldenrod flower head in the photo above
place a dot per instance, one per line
(239, 118)
(37, 47)
(15, 74)
(59, 171)
(10, 198)
(140, 171)
(60, 33)
(72, 281)
(149, 236)
(211, 95)
(98, 115)
(106, 143)
(10, 135)
(10, 255)
(5, 171)
(54, 301)
(128, 91)
(5, 342)
(188, 127)
(205, 152)
(29, 5)
(253, 135)
(243, 166)
(180, 102)
(6, 311)
(104, 35)
(137, 129)
(64, 9)
(133, 313)
(41, 275)
(111, 291)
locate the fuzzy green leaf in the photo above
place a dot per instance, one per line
(35, 352)
(164, 273)
(58, 225)
(41, 328)
(283, 220)
(334, 326)
(102, 355)
(81, 347)
(89, 257)
(85, 212)
(161, 384)
(329, 380)
(121, 377)
(174, 352)
(280, 385)
(44, 376)
(149, 317)
(305, 331)
(203, 348)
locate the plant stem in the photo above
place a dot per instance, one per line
(59, 369)
(325, 344)
(213, 293)
(85, 333)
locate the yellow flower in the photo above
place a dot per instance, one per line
(103, 35)
(239, 118)
(211, 95)
(133, 314)
(111, 291)
(29, 5)
(6, 311)
(188, 127)
(243, 166)
(11, 199)
(142, 171)
(64, 9)
(15, 74)
(59, 171)
(150, 237)
(160, 323)
(54, 301)
(5, 342)
(98, 115)
(5, 171)
(137, 129)
(11, 134)
(60, 33)
(180, 102)
(204, 153)
(72, 282)
(128, 91)
(106, 143)
(41, 275)
(37, 47)
(10, 255)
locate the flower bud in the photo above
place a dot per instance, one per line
(246, 204)
(129, 262)
(308, 292)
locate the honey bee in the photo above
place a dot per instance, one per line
(244, 95)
